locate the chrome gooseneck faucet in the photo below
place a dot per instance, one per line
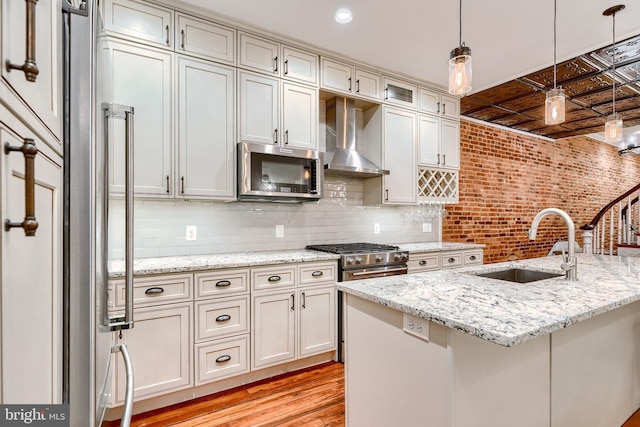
(570, 262)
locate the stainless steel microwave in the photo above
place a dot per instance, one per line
(278, 174)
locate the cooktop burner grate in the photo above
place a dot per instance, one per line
(353, 248)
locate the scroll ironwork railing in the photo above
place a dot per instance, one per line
(615, 224)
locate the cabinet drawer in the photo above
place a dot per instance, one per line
(149, 291)
(222, 358)
(317, 274)
(221, 283)
(473, 257)
(451, 259)
(139, 21)
(222, 317)
(264, 279)
(423, 263)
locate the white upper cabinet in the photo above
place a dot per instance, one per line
(142, 78)
(433, 102)
(142, 22)
(342, 77)
(399, 156)
(275, 112)
(299, 65)
(266, 56)
(439, 142)
(37, 91)
(259, 108)
(205, 39)
(299, 116)
(206, 129)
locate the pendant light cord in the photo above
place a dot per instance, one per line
(555, 13)
(460, 23)
(613, 61)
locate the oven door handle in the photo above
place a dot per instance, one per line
(369, 272)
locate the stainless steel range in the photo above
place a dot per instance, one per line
(363, 261)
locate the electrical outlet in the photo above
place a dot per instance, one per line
(279, 231)
(415, 326)
(376, 228)
(426, 227)
(192, 233)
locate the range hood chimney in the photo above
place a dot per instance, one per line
(341, 157)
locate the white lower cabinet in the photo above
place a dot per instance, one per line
(296, 322)
(160, 346)
(221, 359)
(419, 263)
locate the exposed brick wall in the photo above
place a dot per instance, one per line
(507, 177)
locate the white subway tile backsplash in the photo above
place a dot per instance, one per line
(249, 226)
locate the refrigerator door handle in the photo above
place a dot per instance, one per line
(128, 396)
(125, 112)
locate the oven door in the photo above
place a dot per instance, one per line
(368, 273)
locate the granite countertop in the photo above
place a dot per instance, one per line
(178, 264)
(186, 263)
(503, 312)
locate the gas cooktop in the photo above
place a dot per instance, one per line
(353, 248)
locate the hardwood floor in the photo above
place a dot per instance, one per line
(311, 397)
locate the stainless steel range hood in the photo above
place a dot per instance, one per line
(341, 157)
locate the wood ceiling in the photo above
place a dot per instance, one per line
(587, 81)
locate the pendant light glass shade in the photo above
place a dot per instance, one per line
(460, 71)
(460, 66)
(613, 129)
(554, 106)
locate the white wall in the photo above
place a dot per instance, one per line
(247, 226)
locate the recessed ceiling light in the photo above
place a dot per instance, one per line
(343, 16)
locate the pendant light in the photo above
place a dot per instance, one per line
(613, 126)
(554, 103)
(460, 66)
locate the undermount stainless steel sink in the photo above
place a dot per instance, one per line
(519, 275)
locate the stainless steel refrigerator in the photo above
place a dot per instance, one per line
(91, 121)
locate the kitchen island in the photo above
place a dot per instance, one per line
(451, 348)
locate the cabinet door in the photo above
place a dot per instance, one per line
(299, 65)
(300, 116)
(44, 95)
(31, 280)
(258, 108)
(160, 346)
(450, 106)
(273, 333)
(429, 101)
(317, 321)
(259, 54)
(336, 76)
(205, 39)
(139, 21)
(367, 84)
(450, 143)
(399, 156)
(141, 78)
(429, 141)
(206, 129)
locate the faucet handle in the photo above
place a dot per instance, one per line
(565, 257)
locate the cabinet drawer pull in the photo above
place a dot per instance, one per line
(223, 318)
(451, 260)
(274, 278)
(182, 184)
(286, 137)
(286, 67)
(275, 136)
(444, 159)
(275, 64)
(167, 183)
(317, 273)
(29, 151)
(358, 86)
(304, 300)
(349, 84)
(182, 39)
(224, 358)
(438, 158)
(156, 290)
(223, 283)
(438, 104)
(167, 30)
(423, 262)
(29, 68)
(444, 108)
(293, 301)
(472, 257)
